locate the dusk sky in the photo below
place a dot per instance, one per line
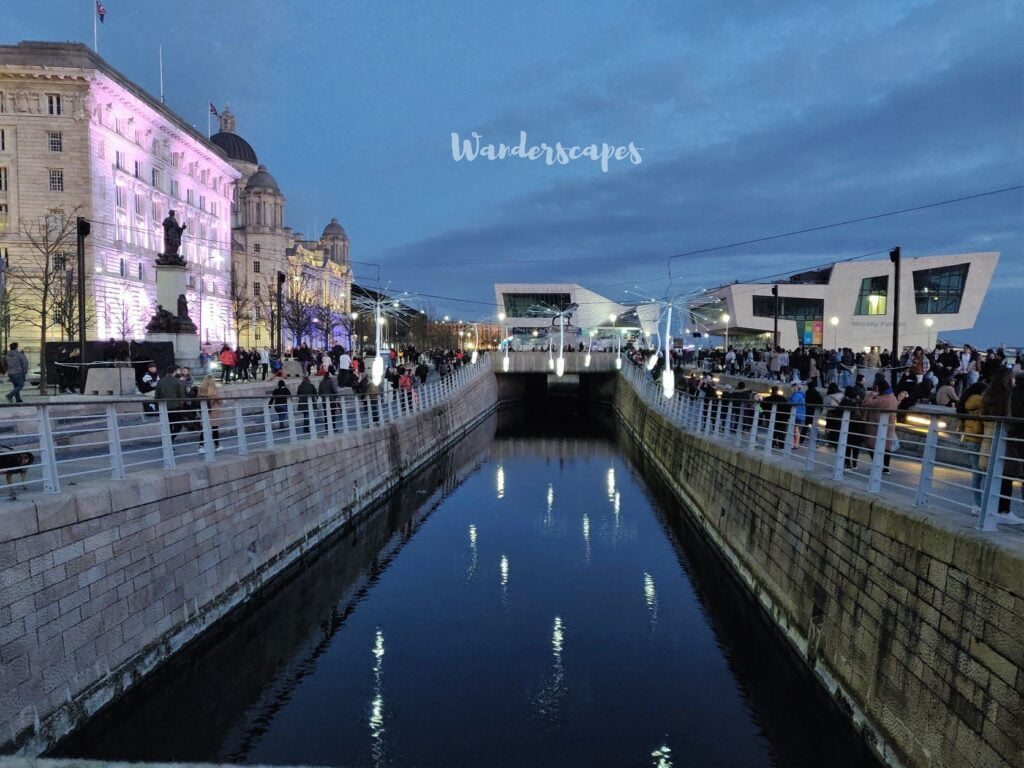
(754, 118)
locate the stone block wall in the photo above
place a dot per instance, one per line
(914, 622)
(100, 584)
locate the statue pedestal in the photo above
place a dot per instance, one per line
(171, 282)
(186, 345)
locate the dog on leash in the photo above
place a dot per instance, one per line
(12, 464)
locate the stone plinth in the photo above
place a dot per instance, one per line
(110, 381)
(186, 345)
(171, 282)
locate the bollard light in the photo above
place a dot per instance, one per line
(474, 357)
(504, 364)
(586, 361)
(618, 363)
(560, 367)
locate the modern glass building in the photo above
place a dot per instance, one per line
(851, 304)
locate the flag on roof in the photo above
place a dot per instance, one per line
(213, 110)
(100, 10)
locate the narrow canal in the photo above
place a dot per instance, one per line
(530, 600)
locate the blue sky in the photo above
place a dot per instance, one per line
(754, 118)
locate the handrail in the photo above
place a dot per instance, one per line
(108, 438)
(969, 472)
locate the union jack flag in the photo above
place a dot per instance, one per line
(100, 10)
(213, 110)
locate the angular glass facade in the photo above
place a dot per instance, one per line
(939, 291)
(521, 304)
(790, 308)
(873, 296)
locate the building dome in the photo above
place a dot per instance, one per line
(334, 229)
(234, 146)
(263, 180)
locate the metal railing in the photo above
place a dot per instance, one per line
(108, 438)
(964, 463)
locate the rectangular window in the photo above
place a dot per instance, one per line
(256, 289)
(119, 160)
(157, 217)
(174, 188)
(56, 180)
(142, 271)
(202, 202)
(190, 197)
(790, 308)
(120, 197)
(3, 140)
(56, 141)
(256, 267)
(531, 304)
(872, 298)
(155, 178)
(3, 104)
(3, 216)
(3, 179)
(939, 291)
(138, 170)
(139, 209)
(123, 267)
(256, 333)
(255, 247)
(53, 103)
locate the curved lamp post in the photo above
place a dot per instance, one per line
(928, 324)
(835, 331)
(618, 343)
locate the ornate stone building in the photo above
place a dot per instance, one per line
(317, 273)
(77, 138)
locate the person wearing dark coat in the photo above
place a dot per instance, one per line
(781, 416)
(279, 402)
(328, 391)
(307, 393)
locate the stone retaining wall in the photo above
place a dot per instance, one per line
(913, 622)
(101, 584)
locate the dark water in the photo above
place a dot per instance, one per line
(529, 601)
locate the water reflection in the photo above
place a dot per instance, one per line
(549, 519)
(471, 570)
(501, 481)
(503, 568)
(586, 538)
(377, 704)
(611, 483)
(662, 757)
(651, 598)
(548, 703)
(615, 512)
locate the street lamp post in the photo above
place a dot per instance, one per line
(928, 324)
(835, 331)
(618, 343)
(725, 319)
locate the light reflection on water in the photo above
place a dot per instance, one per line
(377, 704)
(651, 598)
(473, 554)
(500, 481)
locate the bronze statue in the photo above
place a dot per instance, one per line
(172, 242)
(185, 324)
(162, 322)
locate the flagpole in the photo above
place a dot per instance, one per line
(162, 75)
(95, 36)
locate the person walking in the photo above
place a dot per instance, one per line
(17, 370)
(797, 403)
(264, 362)
(328, 392)
(857, 429)
(228, 360)
(209, 394)
(171, 391)
(279, 402)
(307, 396)
(881, 399)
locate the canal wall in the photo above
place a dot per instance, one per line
(914, 625)
(102, 584)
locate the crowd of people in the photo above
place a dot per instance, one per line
(338, 372)
(820, 384)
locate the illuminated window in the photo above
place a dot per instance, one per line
(56, 180)
(872, 299)
(790, 308)
(520, 304)
(939, 291)
(56, 141)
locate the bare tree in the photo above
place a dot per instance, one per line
(65, 303)
(39, 272)
(125, 327)
(326, 319)
(242, 301)
(297, 309)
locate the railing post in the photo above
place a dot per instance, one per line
(165, 436)
(728, 419)
(114, 435)
(268, 424)
(718, 417)
(877, 460)
(787, 443)
(48, 452)
(204, 415)
(839, 468)
(812, 440)
(771, 430)
(243, 444)
(293, 428)
(755, 423)
(931, 443)
(329, 414)
(987, 520)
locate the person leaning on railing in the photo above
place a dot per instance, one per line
(881, 399)
(996, 402)
(972, 431)
(209, 393)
